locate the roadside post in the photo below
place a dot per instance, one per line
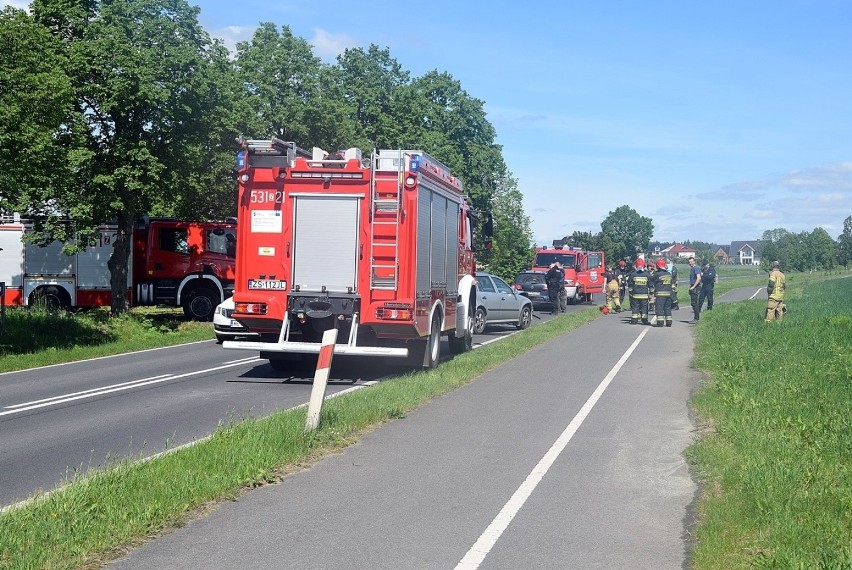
(329, 337)
(2, 307)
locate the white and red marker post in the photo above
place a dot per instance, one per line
(329, 337)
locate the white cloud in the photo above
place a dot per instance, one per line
(328, 46)
(231, 35)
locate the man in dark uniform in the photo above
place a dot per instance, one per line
(662, 286)
(555, 279)
(708, 281)
(639, 288)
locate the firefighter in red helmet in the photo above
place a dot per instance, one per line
(662, 286)
(639, 288)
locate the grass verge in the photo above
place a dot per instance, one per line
(35, 337)
(778, 461)
(96, 518)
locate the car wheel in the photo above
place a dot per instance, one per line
(479, 320)
(526, 318)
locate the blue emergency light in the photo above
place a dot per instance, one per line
(241, 160)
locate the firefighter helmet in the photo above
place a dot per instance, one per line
(661, 263)
(622, 263)
(640, 263)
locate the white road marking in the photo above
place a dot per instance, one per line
(756, 293)
(105, 357)
(488, 539)
(65, 398)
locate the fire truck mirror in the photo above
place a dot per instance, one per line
(488, 226)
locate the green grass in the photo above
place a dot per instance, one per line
(93, 519)
(777, 458)
(33, 337)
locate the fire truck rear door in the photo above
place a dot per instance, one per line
(325, 242)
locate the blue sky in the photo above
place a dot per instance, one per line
(717, 120)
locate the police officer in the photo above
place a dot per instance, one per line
(555, 280)
(662, 286)
(777, 283)
(639, 288)
(708, 281)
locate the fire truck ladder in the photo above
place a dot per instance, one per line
(386, 194)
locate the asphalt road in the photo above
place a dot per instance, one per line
(568, 456)
(60, 421)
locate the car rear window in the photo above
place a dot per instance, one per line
(530, 278)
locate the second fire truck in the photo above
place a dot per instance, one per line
(583, 270)
(380, 248)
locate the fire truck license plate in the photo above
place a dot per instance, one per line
(266, 284)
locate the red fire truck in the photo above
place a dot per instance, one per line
(583, 270)
(178, 263)
(380, 249)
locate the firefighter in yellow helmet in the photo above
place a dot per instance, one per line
(777, 282)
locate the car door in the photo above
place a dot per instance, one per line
(510, 304)
(488, 297)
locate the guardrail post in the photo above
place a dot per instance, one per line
(329, 338)
(2, 307)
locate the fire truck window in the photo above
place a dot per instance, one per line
(173, 239)
(484, 283)
(217, 241)
(595, 260)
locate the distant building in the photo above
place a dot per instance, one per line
(722, 255)
(677, 251)
(742, 253)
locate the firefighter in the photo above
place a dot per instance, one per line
(673, 271)
(662, 286)
(613, 289)
(639, 288)
(622, 278)
(775, 307)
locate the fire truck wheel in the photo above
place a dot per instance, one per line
(526, 318)
(479, 320)
(200, 304)
(461, 344)
(50, 299)
(433, 346)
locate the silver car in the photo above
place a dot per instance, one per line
(498, 303)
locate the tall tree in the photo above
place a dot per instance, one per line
(844, 243)
(36, 108)
(292, 94)
(371, 83)
(627, 232)
(512, 250)
(822, 250)
(146, 121)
